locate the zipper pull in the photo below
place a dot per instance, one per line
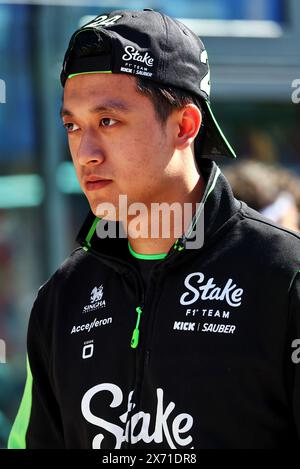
(179, 246)
(136, 332)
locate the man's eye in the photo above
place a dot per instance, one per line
(107, 122)
(70, 127)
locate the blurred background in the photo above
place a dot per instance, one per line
(253, 49)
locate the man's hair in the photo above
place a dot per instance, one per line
(164, 99)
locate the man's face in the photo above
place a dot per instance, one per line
(114, 134)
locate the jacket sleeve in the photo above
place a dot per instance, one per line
(38, 422)
(294, 352)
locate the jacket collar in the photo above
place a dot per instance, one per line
(217, 207)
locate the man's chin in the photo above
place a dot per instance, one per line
(105, 216)
(114, 210)
(103, 209)
(108, 213)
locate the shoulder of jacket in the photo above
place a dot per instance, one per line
(263, 224)
(270, 246)
(65, 270)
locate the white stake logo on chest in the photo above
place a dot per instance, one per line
(210, 291)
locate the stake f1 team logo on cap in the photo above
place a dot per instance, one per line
(137, 62)
(133, 54)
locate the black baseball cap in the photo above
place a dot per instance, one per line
(151, 45)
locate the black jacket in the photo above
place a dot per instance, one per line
(215, 363)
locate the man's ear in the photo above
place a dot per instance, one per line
(188, 124)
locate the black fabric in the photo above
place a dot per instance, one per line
(90, 64)
(145, 267)
(213, 367)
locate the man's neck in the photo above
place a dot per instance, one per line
(167, 236)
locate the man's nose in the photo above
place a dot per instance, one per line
(90, 150)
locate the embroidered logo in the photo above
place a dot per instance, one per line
(96, 300)
(89, 326)
(199, 287)
(103, 20)
(96, 294)
(88, 349)
(133, 54)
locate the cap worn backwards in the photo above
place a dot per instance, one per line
(151, 45)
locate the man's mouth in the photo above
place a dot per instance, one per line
(93, 183)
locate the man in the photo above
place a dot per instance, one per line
(153, 342)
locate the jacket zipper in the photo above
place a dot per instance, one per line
(136, 333)
(178, 246)
(145, 357)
